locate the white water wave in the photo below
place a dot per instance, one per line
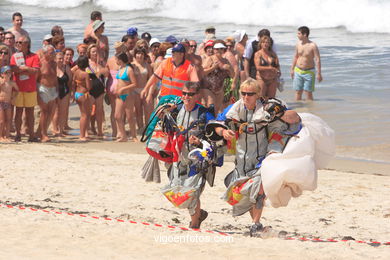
(355, 15)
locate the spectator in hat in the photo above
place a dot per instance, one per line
(173, 72)
(209, 36)
(101, 42)
(172, 40)
(47, 39)
(146, 36)
(154, 45)
(216, 70)
(95, 15)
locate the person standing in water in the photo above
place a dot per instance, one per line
(306, 59)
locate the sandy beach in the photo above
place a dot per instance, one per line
(102, 179)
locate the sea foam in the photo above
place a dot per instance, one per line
(355, 15)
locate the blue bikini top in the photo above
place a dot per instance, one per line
(124, 76)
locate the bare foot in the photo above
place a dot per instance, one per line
(134, 140)
(83, 139)
(121, 140)
(45, 139)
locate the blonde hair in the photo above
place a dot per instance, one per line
(263, 39)
(251, 83)
(90, 47)
(3, 47)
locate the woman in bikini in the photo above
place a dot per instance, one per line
(124, 103)
(64, 77)
(268, 67)
(113, 68)
(143, 71)
(97, 75)
(82, 84)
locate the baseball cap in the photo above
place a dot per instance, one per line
(153, 41)
(179, 48)
(146, 36)
(209, 43)
(132, 31)
(4, 69)
(47, 37)
(171, 39)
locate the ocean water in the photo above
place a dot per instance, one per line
(353, 37)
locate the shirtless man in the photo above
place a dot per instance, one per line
(17, 21)
(195, 59)
(306, 58)
(89, 32)
(47, 89)
(8, 92)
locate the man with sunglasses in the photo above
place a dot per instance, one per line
(9, 41)
(25, 66)
(189, 173)
(194, 58)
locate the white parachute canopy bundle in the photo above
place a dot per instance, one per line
(285, 175)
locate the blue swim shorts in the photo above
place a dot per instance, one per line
(304, 79)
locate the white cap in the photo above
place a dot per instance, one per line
(239, 35)
(168, 54)
(153, 41)
(219, 46)
(47, 37)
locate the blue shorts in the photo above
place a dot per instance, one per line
(304, 79)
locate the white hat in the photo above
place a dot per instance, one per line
(153, 41)
(47, 37)
(219, 46)
(168, 54)
(239, 35)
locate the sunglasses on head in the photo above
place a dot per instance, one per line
(190, 94)
(250, 94)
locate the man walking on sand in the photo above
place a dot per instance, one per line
(306, 59)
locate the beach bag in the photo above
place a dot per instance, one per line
(180, 196)
(164, 147)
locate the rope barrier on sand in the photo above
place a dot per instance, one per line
(170, 227)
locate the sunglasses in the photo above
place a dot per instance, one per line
(9, 38)
(250, 94)
(190, 94)
(4, 52)
(228, 46)
(18, 42)
(193, 46)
